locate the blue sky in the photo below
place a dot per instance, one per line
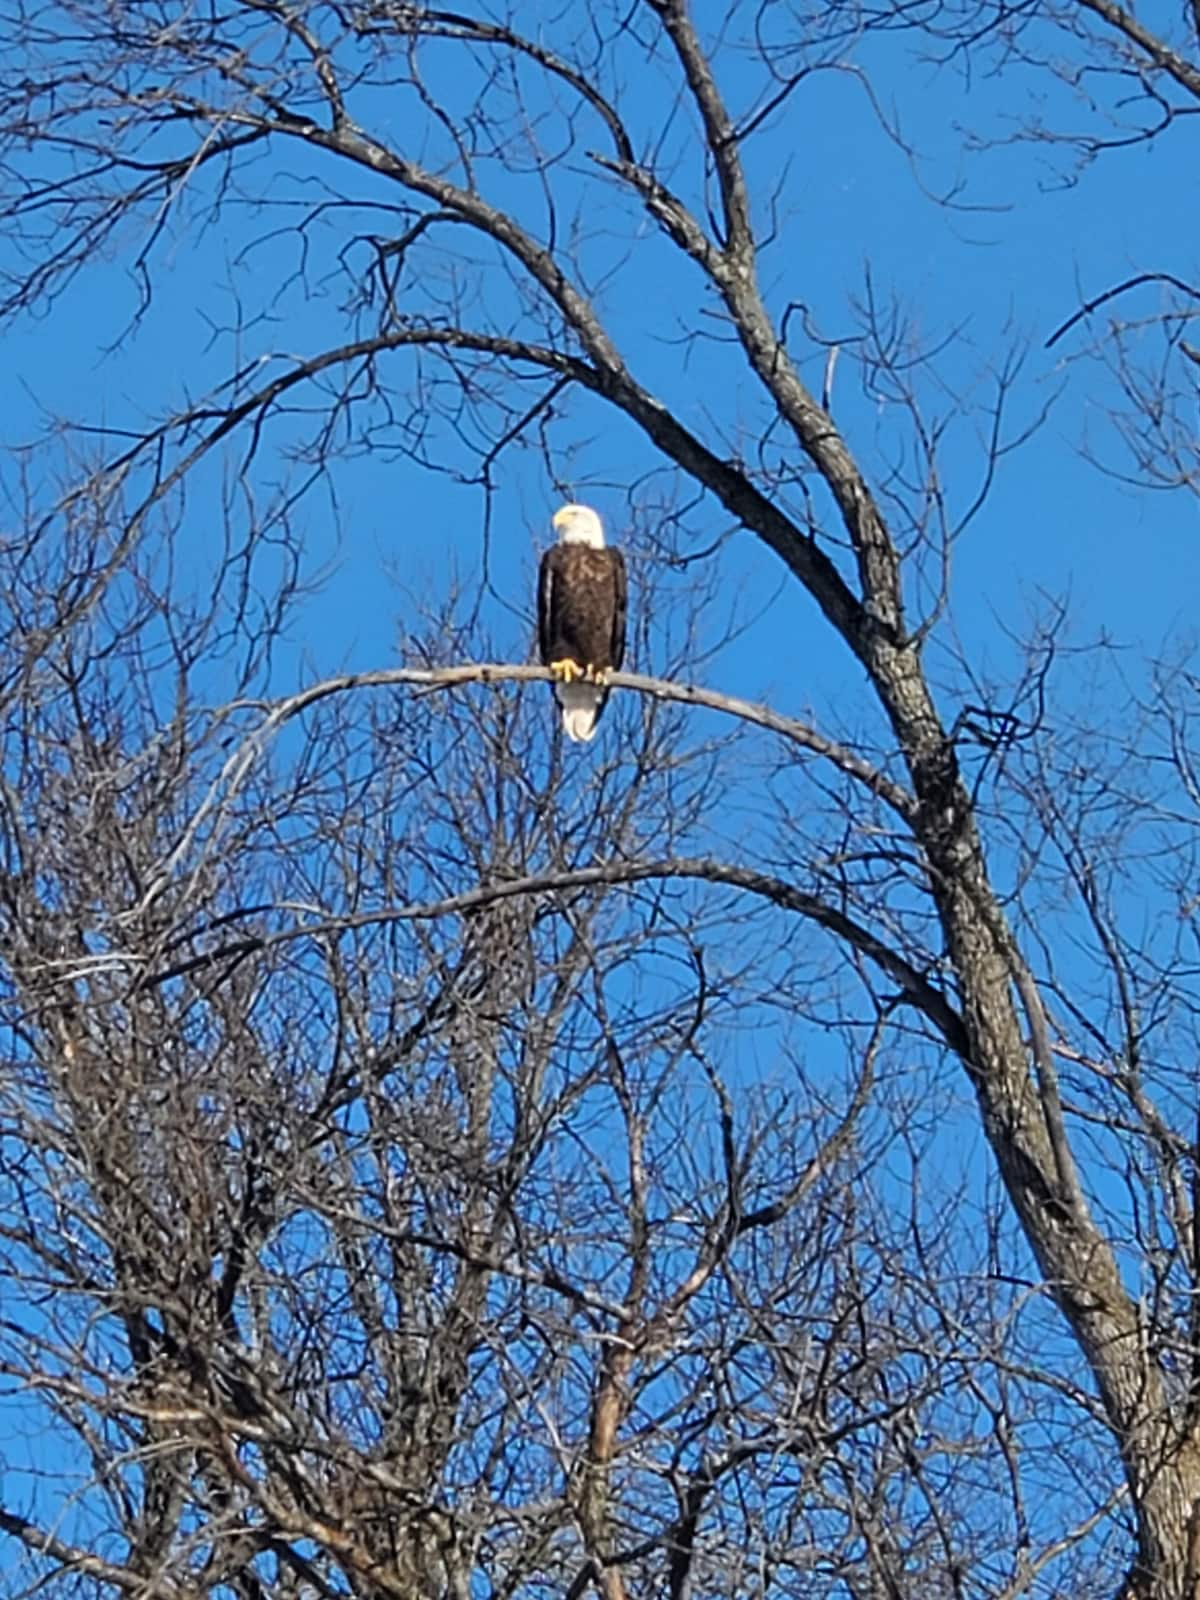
(1006, 263)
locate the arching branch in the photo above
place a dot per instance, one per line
(915, 987)
(277, 715)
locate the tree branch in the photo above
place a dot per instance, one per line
(611, 378)
(71, 1558)
(915, 987)
(1097, 301)
(239, 764)
(1160, 55)
(719, 133)
(260, 400)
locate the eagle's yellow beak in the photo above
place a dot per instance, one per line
(559, 517)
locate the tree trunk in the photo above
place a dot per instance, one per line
(1167, 1503)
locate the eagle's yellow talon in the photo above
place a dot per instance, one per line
(567, 670)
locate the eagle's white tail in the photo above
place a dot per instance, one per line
(580, 704)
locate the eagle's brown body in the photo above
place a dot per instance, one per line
(581, 618)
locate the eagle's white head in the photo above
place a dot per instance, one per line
(578, 525)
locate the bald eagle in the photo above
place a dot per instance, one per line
(581, 616)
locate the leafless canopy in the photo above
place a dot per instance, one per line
(758, 1159)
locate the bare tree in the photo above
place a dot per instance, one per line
(391, 1201)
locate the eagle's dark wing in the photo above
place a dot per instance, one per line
(620, 602)
(547, 573)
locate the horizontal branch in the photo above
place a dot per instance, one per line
(914, 986)
(277, 714)
(796, 732)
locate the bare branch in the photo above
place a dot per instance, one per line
(1165, 59)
